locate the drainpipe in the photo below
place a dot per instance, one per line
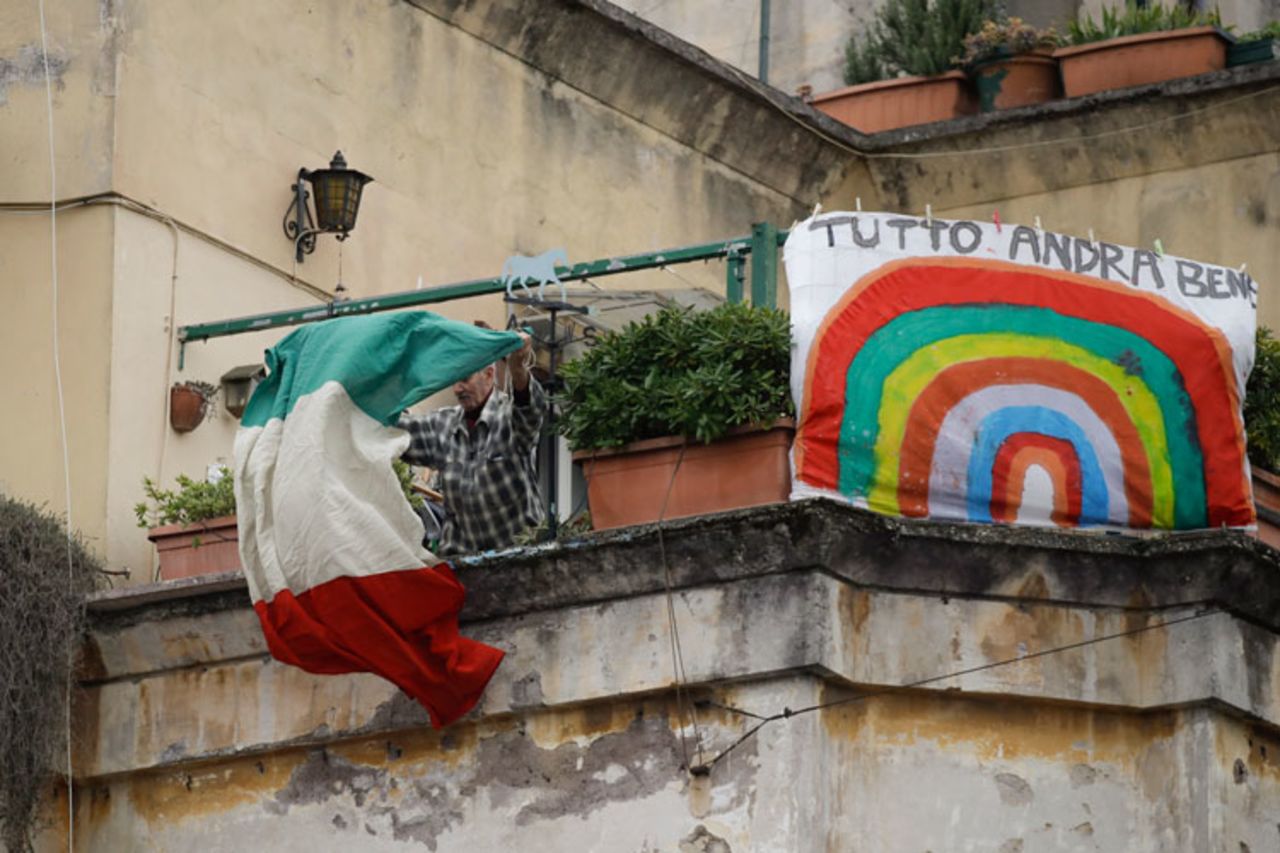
(764, 41)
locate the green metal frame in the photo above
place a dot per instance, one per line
(762, 246)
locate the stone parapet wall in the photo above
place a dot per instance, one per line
(1170, 734)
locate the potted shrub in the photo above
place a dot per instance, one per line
(1258, 46)
(900, 71)
(1140, 45)
(687, 409)
(1011, 64)
(189, 402)
(193, 526)
(1262, 423)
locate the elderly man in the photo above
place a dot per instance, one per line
(484, 449)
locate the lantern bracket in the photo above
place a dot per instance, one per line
(299, 226)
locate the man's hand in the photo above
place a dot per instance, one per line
(517, 363)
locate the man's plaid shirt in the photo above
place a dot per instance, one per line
(489, 480)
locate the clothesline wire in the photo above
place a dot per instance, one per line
(787, 713)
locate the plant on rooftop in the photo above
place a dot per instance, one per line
(1005, 37)
(43, 583)
(916, 37)
(1270, 31)
(1011, 64)
(1262, 403)
(680, 414)
(1139, 45)
(1133, 19)
(193, 501)
(1261, 45)
(680, 372)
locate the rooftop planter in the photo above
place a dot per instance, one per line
(900, 70)
(901, 102)
(683, 414)
(1011, 64)
(1138, 46)
(1259, 46)
(207, 547)
(193, 526)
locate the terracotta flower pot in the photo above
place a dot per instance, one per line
(884, 105)
(628, 485)
(1016, 81)
(186, 408)
(204, 548)
(1141, 59)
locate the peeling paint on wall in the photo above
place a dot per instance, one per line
(26, 68)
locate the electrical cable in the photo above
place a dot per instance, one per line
(788, 713)
(117, 200)
(62, 413)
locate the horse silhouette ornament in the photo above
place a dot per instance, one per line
(522, 269)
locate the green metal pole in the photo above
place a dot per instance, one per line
(447, 292)
(764, 264)
(735, 276)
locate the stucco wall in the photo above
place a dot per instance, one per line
(479, 148)
(31, 454)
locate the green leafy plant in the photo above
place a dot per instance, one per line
(1270, 31)
(1132, 19)
(1005, 37)
(680, 372)
(198, 500)
(191, 502)
(404, 473)
(1262, 403)
(913, 37)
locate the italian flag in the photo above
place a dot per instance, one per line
(330, 547)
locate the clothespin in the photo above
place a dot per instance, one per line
(1243, 267)
(1038, 228)
(419, 287)
(995, 217)
(817, 208)
(1091, 237)
(1159, 247)
(928, 214)
(857, 201)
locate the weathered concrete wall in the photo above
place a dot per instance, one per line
(1161, 740)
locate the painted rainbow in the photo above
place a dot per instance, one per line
(962, 387)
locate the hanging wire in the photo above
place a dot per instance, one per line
(788, 713)
(679, 673)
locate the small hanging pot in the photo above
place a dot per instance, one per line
(186, 407)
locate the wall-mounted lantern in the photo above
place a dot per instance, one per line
(337, 190)
(238, 384)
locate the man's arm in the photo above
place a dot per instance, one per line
(530, 401)
(425, 439)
